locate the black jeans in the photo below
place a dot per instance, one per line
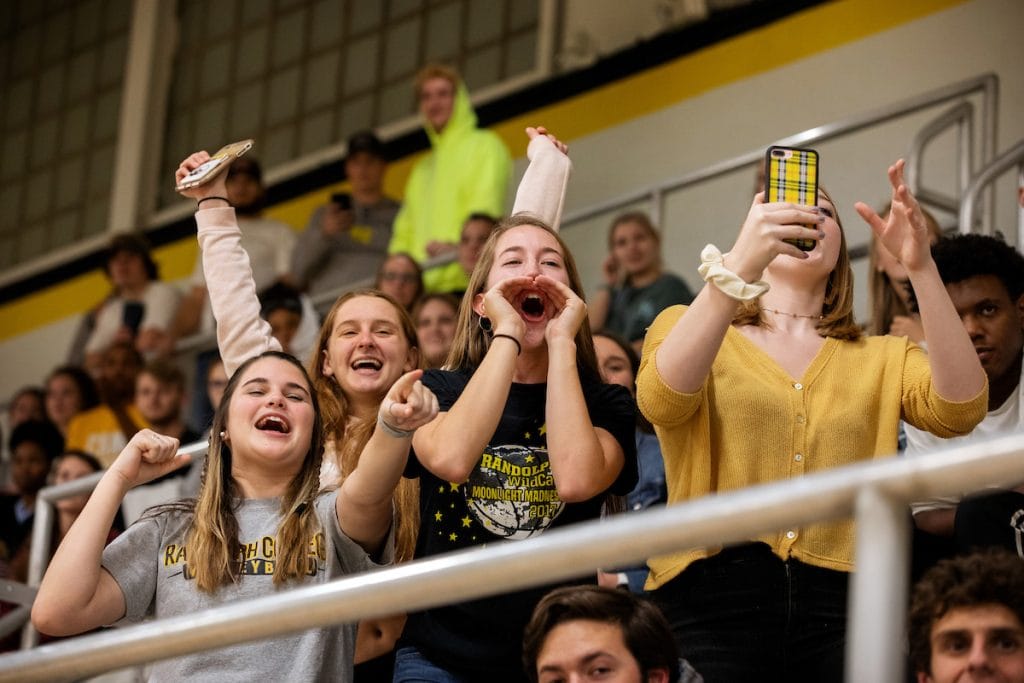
(745, 615)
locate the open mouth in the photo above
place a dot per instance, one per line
(273, 423)
(367, 364)
(532, 307)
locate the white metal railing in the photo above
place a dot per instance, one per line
(42, 526)
(876, 492)
(22, 597)
(960, 115)
(985, 177)
(987, 85)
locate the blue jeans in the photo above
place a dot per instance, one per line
(413, 667)
(746, 615)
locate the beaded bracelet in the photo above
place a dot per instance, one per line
(713, 270)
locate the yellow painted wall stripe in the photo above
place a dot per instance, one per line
(749, 54)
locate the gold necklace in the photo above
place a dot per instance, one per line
(793, 315)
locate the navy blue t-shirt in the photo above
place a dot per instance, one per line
(510, 495)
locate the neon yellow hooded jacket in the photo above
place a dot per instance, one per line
(466, 171)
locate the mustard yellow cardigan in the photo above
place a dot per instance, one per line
(752, 423)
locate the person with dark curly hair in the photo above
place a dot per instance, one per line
(967, 620)
(984, 277)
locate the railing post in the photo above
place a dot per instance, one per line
(658, 209)
(989, 129)
(39, 553)
(878, 595)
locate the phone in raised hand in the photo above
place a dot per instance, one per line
(215, 165)
(791, 175)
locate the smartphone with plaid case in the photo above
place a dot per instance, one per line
(791, 175)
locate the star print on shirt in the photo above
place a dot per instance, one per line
(466, 521)
(438, 516)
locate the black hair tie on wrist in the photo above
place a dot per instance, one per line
(206, 199)
(519, 347)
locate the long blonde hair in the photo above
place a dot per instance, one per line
(836, 310)
(212, 538)
(348, 435)
(471, 341)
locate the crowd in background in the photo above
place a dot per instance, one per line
(762, 375)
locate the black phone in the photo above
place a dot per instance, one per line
(132, 315)
(343, 200)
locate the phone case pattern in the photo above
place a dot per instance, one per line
(793, 177)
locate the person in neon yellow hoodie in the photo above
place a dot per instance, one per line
(466, 171)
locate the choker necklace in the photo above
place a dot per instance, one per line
(793, 315)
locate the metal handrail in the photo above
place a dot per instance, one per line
(987, 84)
(18, 594)
(983, 179)
(877, 491)
(961, 115)
(42, 526)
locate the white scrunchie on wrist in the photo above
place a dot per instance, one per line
(713, 270)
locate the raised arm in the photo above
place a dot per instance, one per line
(585, 460)
(541, 192)
(364, 504)
(683, 359)
(957, 374)
(453, 442)
(241, 332)
(77, 594)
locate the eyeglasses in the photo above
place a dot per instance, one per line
(404, 278)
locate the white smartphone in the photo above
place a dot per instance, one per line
(216, 164)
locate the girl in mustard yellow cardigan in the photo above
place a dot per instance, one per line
(766, 376)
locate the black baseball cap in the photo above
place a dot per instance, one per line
(365, 141)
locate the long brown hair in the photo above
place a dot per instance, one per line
(836, 310)
(212, 540)
(471, 342)
(348, 435)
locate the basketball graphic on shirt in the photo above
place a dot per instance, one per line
(511, 491)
